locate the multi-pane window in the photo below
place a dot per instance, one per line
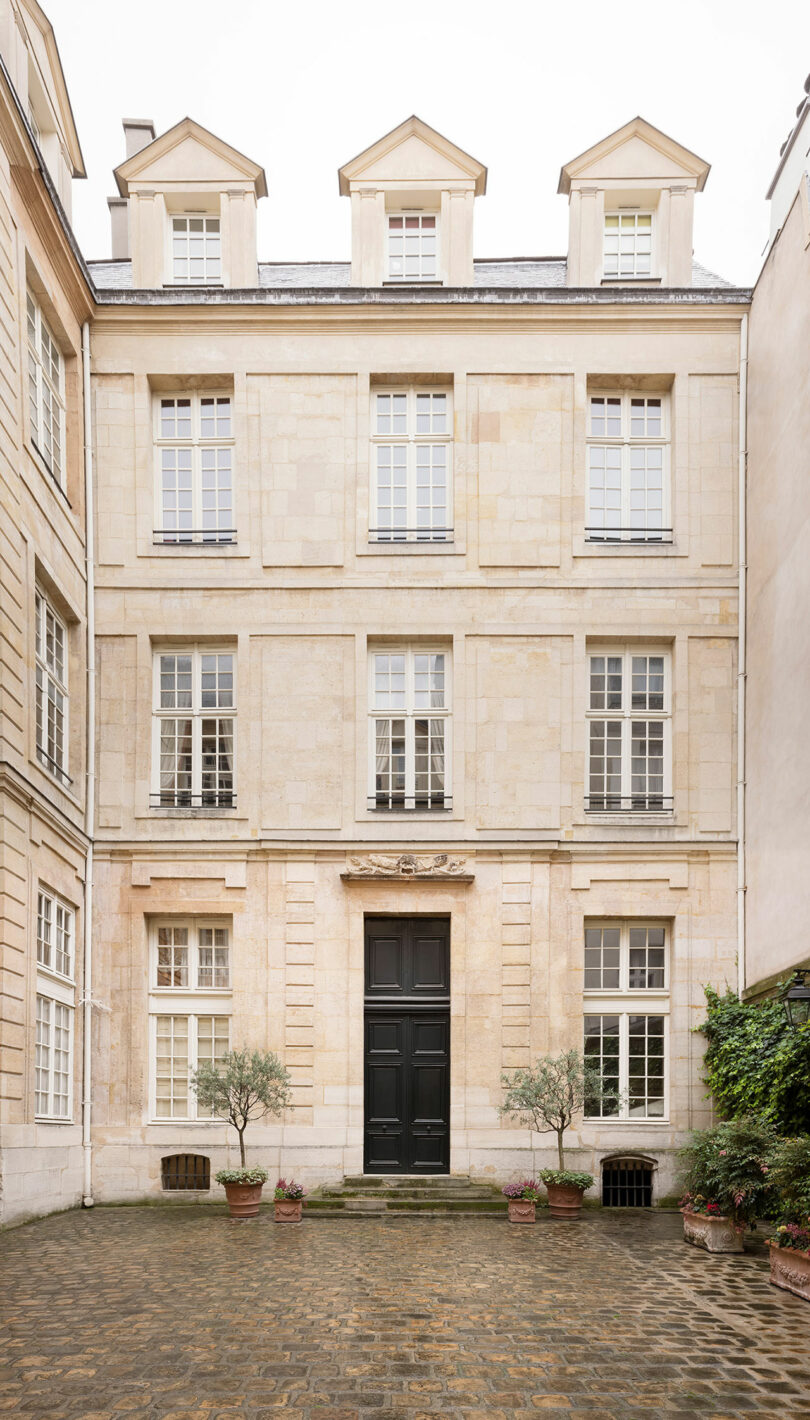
(409, 729)
(625, 1040)
(53, 1059)
(629, 731)
(411, 445)
(46, 391)
(54, 934)
(196, 250)
(51, 648)
(181, 1043)
(194, 494)
(412, 246)
(628, 469)
(194, 740)
(627, 244)
(193, 956)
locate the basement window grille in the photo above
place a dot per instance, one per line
(185, 1171)
(627, 1183)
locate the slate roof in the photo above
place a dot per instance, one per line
(517, 273)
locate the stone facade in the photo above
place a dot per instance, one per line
(515, 850)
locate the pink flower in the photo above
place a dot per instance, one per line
(723, 1153)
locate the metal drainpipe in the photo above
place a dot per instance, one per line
(90, 794)
(742, 556)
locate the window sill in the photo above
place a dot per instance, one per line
(624, 818)
(173, 1123)
(56, 976)
(627, 1123)
(46, 1119)
(631, 281)
(625, 549)
(398, 549)
(45, 469)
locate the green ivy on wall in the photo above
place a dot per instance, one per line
(756, 1063)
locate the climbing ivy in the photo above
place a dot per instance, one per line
(755, 1063)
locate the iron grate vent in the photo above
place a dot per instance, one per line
(185, 1171)
(627, 1183)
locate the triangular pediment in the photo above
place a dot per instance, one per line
(189, 153)
(638, 151)
(414, 152)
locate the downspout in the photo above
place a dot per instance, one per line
(90, 792)
(742, 561)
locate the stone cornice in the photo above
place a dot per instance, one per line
(586, 297)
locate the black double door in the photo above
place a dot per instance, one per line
(407, 1045)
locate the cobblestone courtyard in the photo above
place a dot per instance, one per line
(178, 1314)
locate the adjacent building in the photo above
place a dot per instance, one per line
(416, 661)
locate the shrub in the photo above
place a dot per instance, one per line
(241, 1176)
(547, 1096)
(569, 1178)
(790, 1177)
(288, 1188)
(756, 1063)
(247, 1085)
(727, 1169)
(528, 1188)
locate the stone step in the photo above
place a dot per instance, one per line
(394, 1194)
(411, 1180)
(431, 1207)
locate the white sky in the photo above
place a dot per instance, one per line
(523, 85)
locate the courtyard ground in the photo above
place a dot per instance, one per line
(179, 1314)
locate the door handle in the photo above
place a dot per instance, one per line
(427, 1127)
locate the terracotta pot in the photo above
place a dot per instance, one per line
(790, 1269)
(521, 1210)
(564, 1200)
(243, 1199)
(715, 1234)
(288, 1210)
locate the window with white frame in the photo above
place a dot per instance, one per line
(51, 655)
(628, 468)
(412, 246)
(192, 956)
(194, 493)
(626, 1007)
(629, 730)
(196, 249)
(46, 391)
(627, 247)
(53, 1062)
(189, 1008)
(411, 449)
(194, 741)
(55, 936)
(409, 729)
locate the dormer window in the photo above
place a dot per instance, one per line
(196, 250)
(628, 244)
(412, 238)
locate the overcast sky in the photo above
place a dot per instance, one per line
(523, 85)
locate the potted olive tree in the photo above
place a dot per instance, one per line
(546, 1098)
(727, 1182)
(248, 1084)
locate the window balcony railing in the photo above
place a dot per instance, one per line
(628, 803)
(183, 799)
(188, 537)
(53, 765)
(409, 803)
(659, 535)
(410, 535)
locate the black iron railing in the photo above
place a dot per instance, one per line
(181, 799)
(53, 765)
(410, 534)
(410, 803)
(190, 537)
(628, 535)
(627, 1183)
(622, 803)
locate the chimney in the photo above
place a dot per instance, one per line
(138, 134)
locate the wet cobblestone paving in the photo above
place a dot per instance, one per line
(179, 1314)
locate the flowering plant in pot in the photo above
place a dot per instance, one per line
(789, 1242)
(244, 1085)
(547, 1097)
(521, 1199)
(727, 1182)
(288, 1198)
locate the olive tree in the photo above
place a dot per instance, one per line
(246, 1085)
(547, 1096)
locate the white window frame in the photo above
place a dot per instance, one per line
(187, 1009)
(194, 927)
(202, 449)
(640, 259)
(56, 924)
(409, 279)
(619, 453)
(624, 926)
(625, 1008)
(59, 1015)
(410, 443)
(194, 797)
(628, 801)
(189, 216)
(46, 391)
(51, 697)
(407, 799)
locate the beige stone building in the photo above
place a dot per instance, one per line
(778, 793)
(416, 619)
